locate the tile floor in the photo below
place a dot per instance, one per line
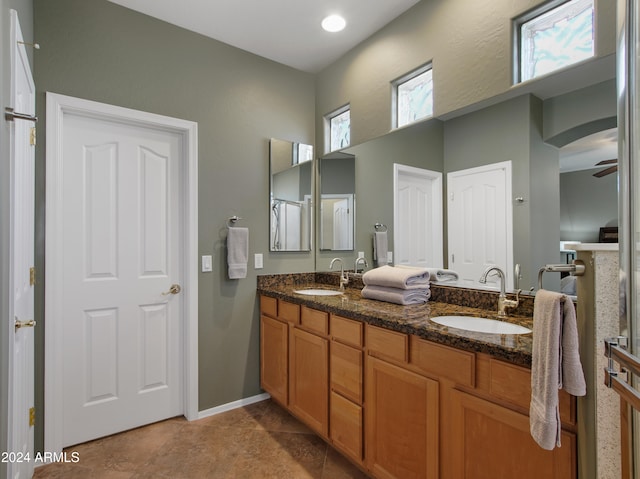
(257, 441)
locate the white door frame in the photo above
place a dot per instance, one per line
(435, 177)
(57, 107)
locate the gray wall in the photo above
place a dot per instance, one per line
(25, 16)
(469, 44)
(587, 203)
(97, 50)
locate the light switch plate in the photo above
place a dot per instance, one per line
(206, 264)
(257, 260)
(389, 257)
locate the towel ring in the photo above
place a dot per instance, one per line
(232, 220)
(379, 226)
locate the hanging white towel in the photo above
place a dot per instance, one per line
(380, 247)
(555, 364)
(237, 252)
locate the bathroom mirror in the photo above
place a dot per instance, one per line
(497, 132)
(291, 196)
(337, 202)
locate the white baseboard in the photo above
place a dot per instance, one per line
(232, 405)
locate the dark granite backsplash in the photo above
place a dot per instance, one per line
(440, 292)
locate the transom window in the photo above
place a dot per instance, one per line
(413, 96)
(552, 37)
(340, 128)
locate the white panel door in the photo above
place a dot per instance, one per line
(21, 369)
(480, 222)
(122, 332)
(417, 218)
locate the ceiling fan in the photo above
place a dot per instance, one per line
(609, 170)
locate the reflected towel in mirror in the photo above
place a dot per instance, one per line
(380, 247)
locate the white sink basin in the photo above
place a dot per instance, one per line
(318, 292)
(480, 325)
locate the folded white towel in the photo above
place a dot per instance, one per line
(555, 364)
(380, 247)
(237, 252)
(394, 277)
(396, 295)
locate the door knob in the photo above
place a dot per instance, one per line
(24, 324)
(174, 289)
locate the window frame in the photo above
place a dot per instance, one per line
(327, 122)
(395, 84)
(516, 30)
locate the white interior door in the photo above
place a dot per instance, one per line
(21, 371)
(122, 361)
(480, 223)
(417, 217)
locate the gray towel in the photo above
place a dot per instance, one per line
(396, 277)
(555, 364)
(237, 252)
(380, 247)
(396, 295)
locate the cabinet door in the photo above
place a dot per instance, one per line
(486, 440)
(346, 426)
(274, 353)
(401, 425)
(309, 380)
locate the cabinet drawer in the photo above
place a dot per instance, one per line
(289, 312)
(443, 361)
(387, 343)
(346, 330)
(346, 371)
(314, 320)
(513, 384)
(346, 426)
(269, 306)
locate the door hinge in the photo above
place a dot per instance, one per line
(32, 276)
(32, 416)
(32, 136)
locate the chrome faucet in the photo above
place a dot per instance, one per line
(343, 278)
(503, 302)
(359, 260)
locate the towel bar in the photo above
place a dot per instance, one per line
(232, 220)
(576, 269)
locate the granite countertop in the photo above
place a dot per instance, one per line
(414, 319)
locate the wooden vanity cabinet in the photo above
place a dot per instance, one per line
(403, 407)
(274, 347)
(489, 441)
(346, 365)
(402, 412)
(309, 370)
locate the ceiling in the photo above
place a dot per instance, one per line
(289, 32)
(285, 31)
(585, 153)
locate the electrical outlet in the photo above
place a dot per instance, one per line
(389, 257)
(258, 261)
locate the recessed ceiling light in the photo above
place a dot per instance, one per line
(334, 23)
